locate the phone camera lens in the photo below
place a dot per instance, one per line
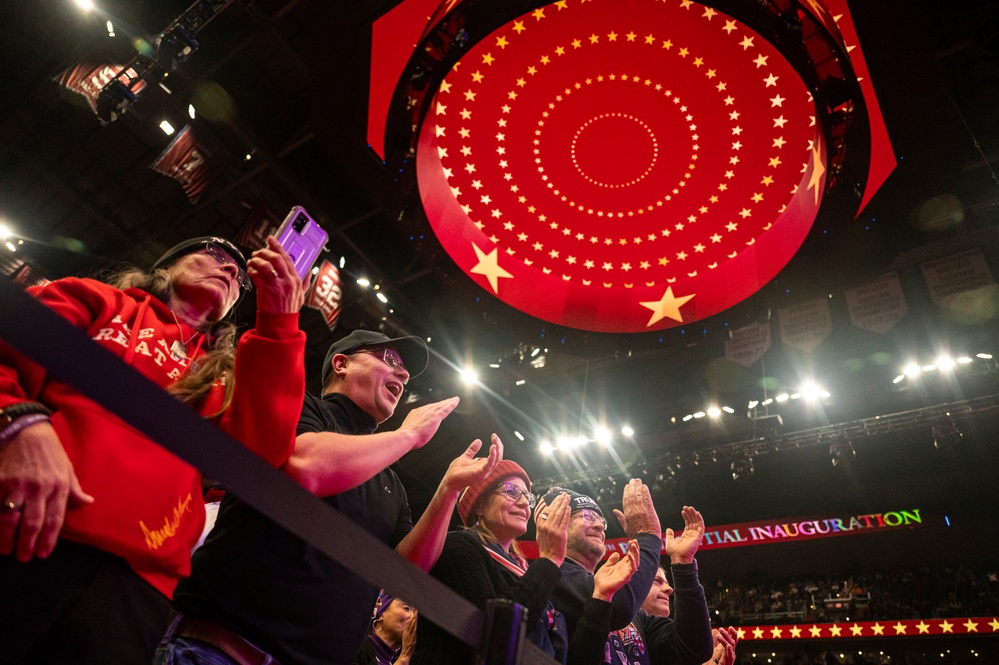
(299, 223)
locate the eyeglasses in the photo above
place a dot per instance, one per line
(590, 516)
(388, 356)
(224, 258)
(514, 493)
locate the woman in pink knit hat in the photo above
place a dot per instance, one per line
(482, 562)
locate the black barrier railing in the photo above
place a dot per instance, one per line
(69, 354)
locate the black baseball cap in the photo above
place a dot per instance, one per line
(197, 244)
(412, 349)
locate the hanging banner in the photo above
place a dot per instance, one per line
(804, 326)
(188, 161)
(88, 77)
(951, 278)
(781, 530)
(260, 223)
(748, 344)
(878, 305)
(325, 293)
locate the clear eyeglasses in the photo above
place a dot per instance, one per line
(590, 516)
(514, 493)
(388, 356)
(224, 257)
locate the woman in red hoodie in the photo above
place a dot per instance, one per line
(97, 521)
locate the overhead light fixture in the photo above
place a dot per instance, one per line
(945, 362)
(167, 128)
(783, 397)
(469, 376)
(191, 112)
(841, 451)
(742, 469)
(945, 433)
(521, 382)
(627, 431)
(518, 435)
(363, 282)
(984, 356)
(381, 296)
(699, 414)
(714, 412)
(343, 262)
(536, 351)
(494, 365)
(110, 29)
(10, 246)
(911, 370)
(546, 448)
(753, 404)
(175, 47)
(5, 232)
(728, 409)
(85, 5)
(602, 436)
(113, 100)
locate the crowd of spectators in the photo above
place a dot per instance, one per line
(924, 593)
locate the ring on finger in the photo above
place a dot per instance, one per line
(9, 506)
(274, 272)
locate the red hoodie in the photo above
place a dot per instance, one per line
(147, 503)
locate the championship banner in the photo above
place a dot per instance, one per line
(748, 344)
(325, 293)
(806, 325)
(780, 530)
(953, 280)
(90, 76)
(260, 223)
(878, 305)
(188, 161)
(880, 629)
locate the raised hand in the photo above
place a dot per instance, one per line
(616, 572)
(38, 481)
(552, 524)
(408, 641)
(422, 422)
(725, 641)
(639, 514)
(683, 548)
(467, 469)
(279, 288)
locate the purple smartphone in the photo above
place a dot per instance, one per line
(302, 238)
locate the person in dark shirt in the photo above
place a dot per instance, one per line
(258, 592)
(483, 562)
(632, 641)
(656, 605)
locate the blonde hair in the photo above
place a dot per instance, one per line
(219, 360)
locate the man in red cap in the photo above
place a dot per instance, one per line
(260, 594)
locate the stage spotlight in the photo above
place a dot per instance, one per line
(469, 376)
(627, 431)
(665, 480)
(175, 47)
(946, 434)
(602, 436)
(113, 100)
(841, 451)
(742, 469)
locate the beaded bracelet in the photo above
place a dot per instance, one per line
(12, 430)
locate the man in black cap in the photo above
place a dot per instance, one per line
(258, 592)
(685, 641)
